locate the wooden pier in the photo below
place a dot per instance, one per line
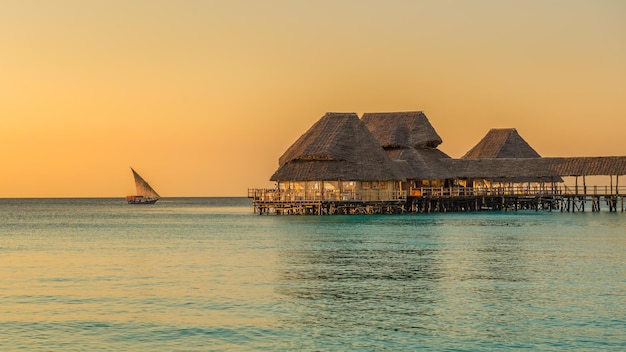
(441, 200)
(271, 201)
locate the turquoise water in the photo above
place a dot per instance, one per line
(204, 274)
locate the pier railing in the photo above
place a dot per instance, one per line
(275, 195)
(516, 190)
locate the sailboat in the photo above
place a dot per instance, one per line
(145, 193)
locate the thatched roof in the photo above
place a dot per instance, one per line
(337, 147)
(590, 166)
(404, 167)
(534, 168)
(402, 129)
(529, 169)
(501, 143)
(424, 163)
(409, 136)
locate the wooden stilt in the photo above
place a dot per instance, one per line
(582, 203)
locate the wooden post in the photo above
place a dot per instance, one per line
(576, 183)
(339, 188)
(584, 185)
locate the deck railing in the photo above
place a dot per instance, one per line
(516, 190)
(275, 195)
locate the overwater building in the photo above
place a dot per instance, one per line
(336, 160)
(390, 163)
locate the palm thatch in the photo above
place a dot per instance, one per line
(340, 147)
(532, 169)
(337, 147)
(501, 143)
(402, 129)
(423, 163)
(498, 169)
(590, 166)
(409, 136)
(404, 167)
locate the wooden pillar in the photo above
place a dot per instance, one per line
(340, 185)
(570, 204)
(584, 185)
(576, 185)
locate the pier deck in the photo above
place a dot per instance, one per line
(439, 200)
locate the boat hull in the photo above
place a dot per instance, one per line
(140, 200)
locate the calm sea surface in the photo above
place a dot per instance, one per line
(204, 274)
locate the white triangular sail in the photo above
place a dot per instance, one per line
(143, 188)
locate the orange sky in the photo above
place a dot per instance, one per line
(202, 97)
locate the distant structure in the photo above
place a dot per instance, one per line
(390, 163)
(501, 143)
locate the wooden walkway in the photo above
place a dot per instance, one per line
(563, 203)
(442, 200)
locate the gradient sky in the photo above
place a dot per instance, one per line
(202, 97)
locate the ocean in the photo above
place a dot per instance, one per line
(206, 274)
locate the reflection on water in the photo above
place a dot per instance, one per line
(207, 274)
(462, 282)
(338, 293)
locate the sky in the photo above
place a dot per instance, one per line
(203, 97)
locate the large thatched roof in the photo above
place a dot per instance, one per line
(337, 147)
(534, 168)
(501, 143)
(402, 129)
